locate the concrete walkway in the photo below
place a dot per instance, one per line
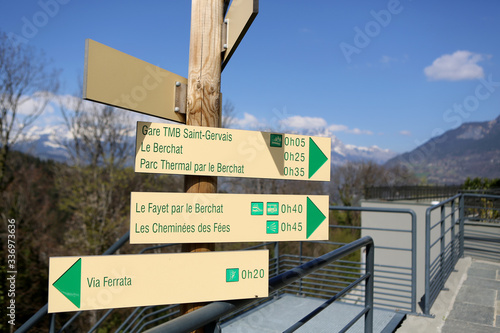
(469, 303)
(280, 313)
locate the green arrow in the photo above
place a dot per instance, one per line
(316, 157)
(314, 217)
(70, 283)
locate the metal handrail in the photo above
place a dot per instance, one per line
(210, 314)
(413, 232)
(44, 310)
(440, 266)
(38, 316)
(277, 264)
(450, 249)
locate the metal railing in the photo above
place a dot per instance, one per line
(414, 193)
(395, 286)
(44, 310)
(443, 246)
(209, 315)
(446, 235)
(141, 317)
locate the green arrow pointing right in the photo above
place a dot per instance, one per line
(314, 218)
(316, 157)
(70, 283)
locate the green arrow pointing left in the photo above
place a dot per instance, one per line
(70, 283)
(314, 217)
(316, 157)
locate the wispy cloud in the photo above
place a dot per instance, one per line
(300, 124)
(317, 123)
(346, 129)
(405, 132)
(304, 122)
(29, 104)
(461, 65)
(248, 121)
(386, 59)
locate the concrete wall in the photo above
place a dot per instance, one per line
(395, 239)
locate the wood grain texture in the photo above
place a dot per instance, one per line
(203, 95)
(205, 63)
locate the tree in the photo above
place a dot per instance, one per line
(30, 201)
(26, 87)
(228, 114)
(483, 208)
(481, 183)
(97, 134)
(94, 187)
(350, 180)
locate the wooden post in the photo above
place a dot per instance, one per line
(203, 95)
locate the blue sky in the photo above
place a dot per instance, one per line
(386, 73)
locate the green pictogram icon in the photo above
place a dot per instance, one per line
(257, 208)
(273, 208)
(276, 140)
(232, 274)
(272, 227)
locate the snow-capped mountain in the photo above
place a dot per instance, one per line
(45, 144)
(342, 153)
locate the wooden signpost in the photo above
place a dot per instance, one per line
(202, 152)
(213, 218)
(117, 281)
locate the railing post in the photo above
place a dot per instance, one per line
(300, 263)
(443, 247)
(427, 294)
(452, 230)
(461, 221)
(277, 260)
(413, 261)
(370, 271)
(52, 327)
(277, 256)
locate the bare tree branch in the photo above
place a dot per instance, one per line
(228, 114)
(24, 78)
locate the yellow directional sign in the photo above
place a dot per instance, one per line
(117, 281)
(238, 20)
(117, 79)
(208, 151)
(205, 218)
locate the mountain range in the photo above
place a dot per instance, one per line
(470, 150)
(44, 144)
